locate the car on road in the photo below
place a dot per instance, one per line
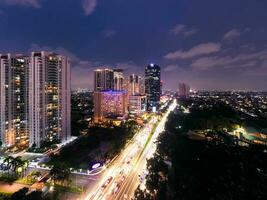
(107, 182)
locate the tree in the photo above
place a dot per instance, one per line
(8, 160)
(157, 175)
(35, 195)
(17, 163)
(142, 195)
(60, 173)
(23, 194)
(20, 195)
(215, 168)
(36, 174)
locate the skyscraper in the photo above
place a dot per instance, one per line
(49, 97)
(142, 86)
(134, 84)
(103, 79)
(118, 79)
(13, 100)
(184, 90)
(152, 86)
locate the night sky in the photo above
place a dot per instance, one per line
(210, 44)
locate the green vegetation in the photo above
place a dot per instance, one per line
(8, 178)
(217, 118)
(150, 136)
(81, 108)
(213, 168)
(78, 123)
(23, 194)
(99, 145)
(60, 174)
(4, 195)
(15, 168)
(30, 178)
(45, 146)
(69, 188)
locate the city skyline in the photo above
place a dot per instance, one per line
(133, 100)
(225, 48)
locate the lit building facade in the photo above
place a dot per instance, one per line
(49, 97)
(118, 79)
(103, 79)
(152, 86)
(142, 87)
(134, 84)
(13, 100)
(137, 105)
(109, 104)
(34, 99)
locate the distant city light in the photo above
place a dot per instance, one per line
(95, 166)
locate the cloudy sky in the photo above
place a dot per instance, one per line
(210, 44)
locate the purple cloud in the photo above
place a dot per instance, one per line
(31, 3)
(242, 60)
(201, 49)
(181, 29)
(231, 35)
(170, 68)
(89, 6)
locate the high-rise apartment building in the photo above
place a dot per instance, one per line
(34, 99)
(152, 86)
(184, 90)
(103, 79)
(109, 104)
(13, 100)
(49, 97)
(118, 79)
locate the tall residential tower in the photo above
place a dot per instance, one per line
(49, 97)
(13, 100)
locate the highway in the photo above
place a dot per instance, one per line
(121, 178)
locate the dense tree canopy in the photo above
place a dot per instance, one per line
(214, 168)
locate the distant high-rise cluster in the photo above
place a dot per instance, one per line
(34, 98)
(110, 98)
(184, 90)
(117, 95)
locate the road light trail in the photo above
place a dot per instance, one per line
(132, 181)
(120, 180)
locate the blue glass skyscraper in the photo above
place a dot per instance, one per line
(152, 86)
